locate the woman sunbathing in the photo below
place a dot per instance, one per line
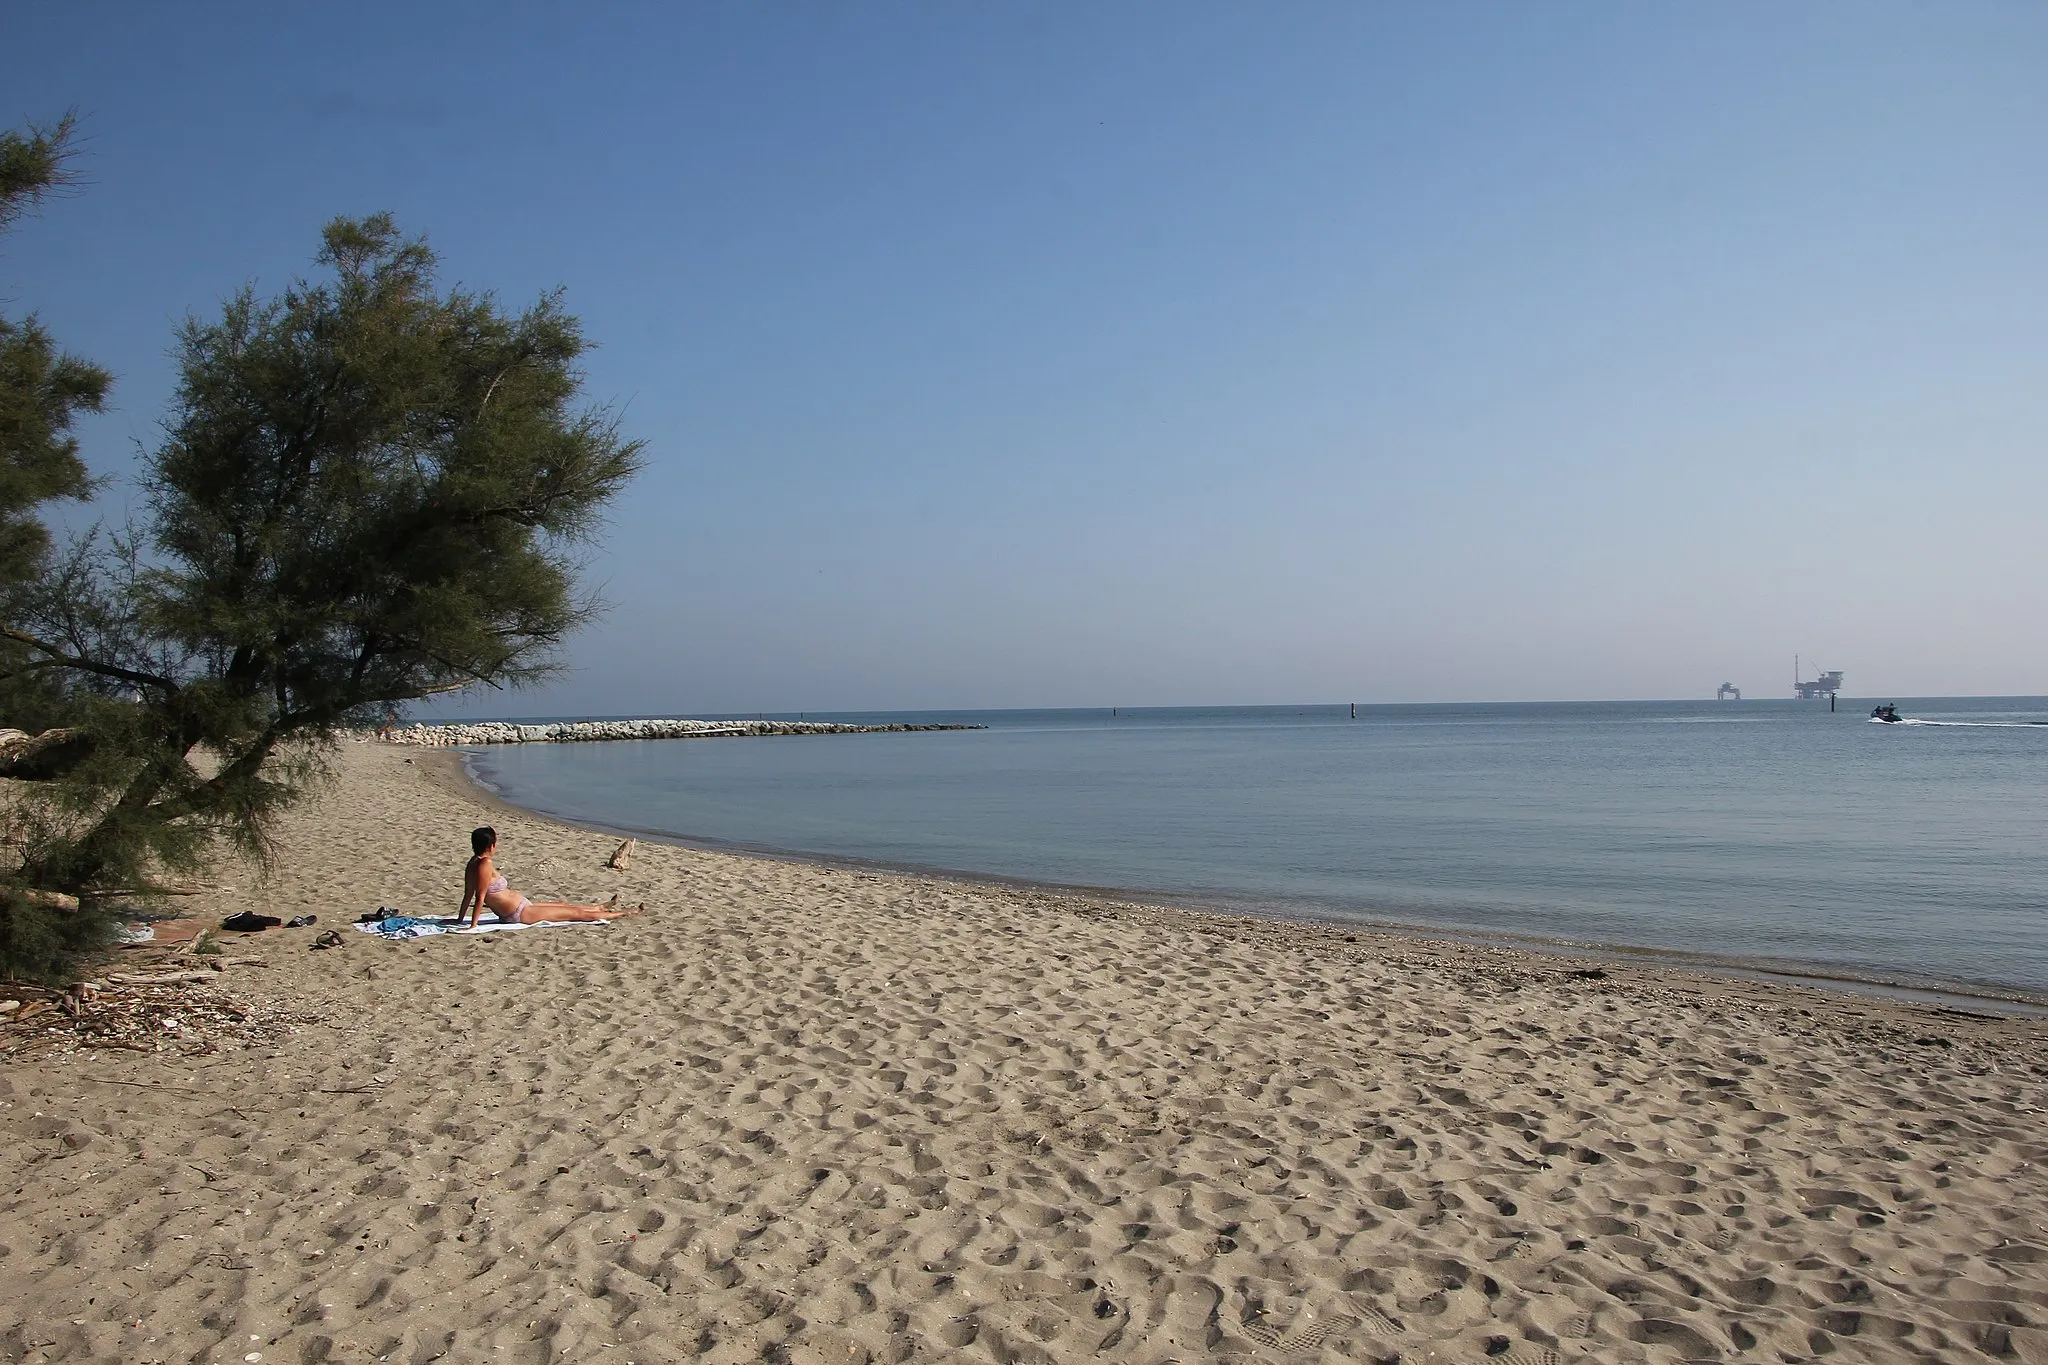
(483, 887)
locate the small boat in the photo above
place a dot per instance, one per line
(1888, 713)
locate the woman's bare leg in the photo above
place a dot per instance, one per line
(562, 912)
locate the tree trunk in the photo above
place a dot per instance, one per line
(89, 857)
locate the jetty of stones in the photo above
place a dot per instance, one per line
(583, 731)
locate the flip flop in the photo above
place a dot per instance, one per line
(329, 939)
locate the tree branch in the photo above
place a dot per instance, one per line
(59, 659)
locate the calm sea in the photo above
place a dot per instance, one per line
(1756, 831)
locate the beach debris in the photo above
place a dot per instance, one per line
(621, 855)
(171, 1017)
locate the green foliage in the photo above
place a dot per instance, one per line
(369, 489)
(369, 492)
(41, 943)
(34, 165)
(42, 392)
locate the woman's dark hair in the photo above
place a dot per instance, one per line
(481, 839)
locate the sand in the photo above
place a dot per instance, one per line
(827, 1115)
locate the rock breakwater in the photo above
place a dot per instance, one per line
(583, 731)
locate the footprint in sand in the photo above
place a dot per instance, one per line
(1303, 1342)
(1378, 1323)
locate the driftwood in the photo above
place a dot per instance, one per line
(39, 758)
(214, 966)
(159, 978)
(620, 856)
(60, 900)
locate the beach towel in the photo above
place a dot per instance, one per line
(406, 926)
(401, 926)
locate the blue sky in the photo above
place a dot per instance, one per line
(1159, 354)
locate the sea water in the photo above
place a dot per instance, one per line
(1760, 832)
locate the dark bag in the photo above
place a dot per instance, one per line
(248, 922)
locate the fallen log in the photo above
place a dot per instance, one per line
(49, 900)
(39, 758)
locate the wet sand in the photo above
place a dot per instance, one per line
(819, 1114)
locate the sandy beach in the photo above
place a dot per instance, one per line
(812, 1114)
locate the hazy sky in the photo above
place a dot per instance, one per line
(1170, 353)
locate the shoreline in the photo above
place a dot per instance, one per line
(836, 1116)
(1862, 983)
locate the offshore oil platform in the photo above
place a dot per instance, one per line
(1727, 692)
(1826, 685)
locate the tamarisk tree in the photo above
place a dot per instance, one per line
(42, 392)
(368, 492)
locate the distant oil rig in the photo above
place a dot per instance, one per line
(1727, 692)
(1826, 685)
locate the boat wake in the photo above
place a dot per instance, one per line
(1966, 724)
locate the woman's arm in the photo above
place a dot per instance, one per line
(471, 889)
